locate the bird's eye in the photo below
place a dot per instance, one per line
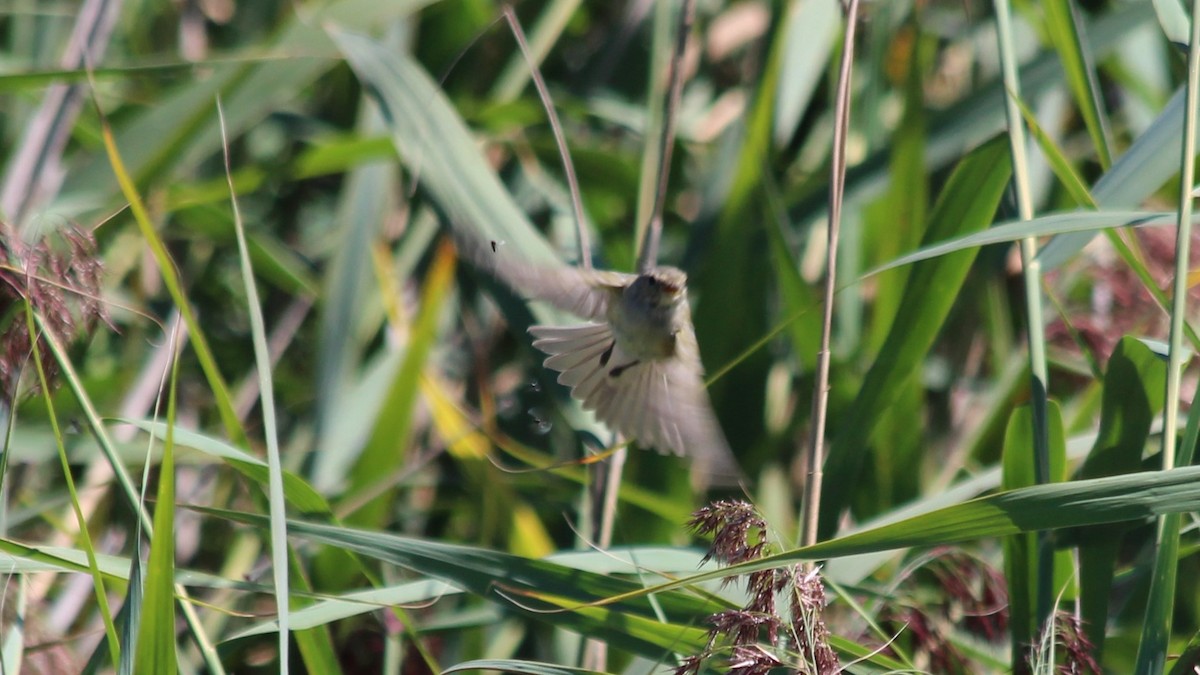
(652, 281)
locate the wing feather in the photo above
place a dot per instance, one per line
(660, 404)
(584, 293)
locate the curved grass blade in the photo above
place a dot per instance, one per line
(1055, 223)
(262, 360)
(306, 499)
(564, 596)
(513, 666)
(436, 146)
(1054, 506)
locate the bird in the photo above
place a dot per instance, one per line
(636, 361)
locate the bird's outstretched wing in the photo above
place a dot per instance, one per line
(659, 403)
(584, 293)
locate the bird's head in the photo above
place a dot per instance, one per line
(661, 286)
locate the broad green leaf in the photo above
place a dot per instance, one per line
(967, 204)
(386, 449)
(1174, 21)
(810, 34)
(1134, 386)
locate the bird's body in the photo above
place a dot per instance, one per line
(637, 365)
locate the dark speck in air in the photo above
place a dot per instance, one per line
(539, 423)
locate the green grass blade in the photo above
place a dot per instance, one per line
(1053, 506)
(1064, 25)
(362, 208)
(1053, 223)
(435, 144)
(730, 284)
(110, 630)
(563, 596)
(129, 617)
(664, 25)
(174, 286)
(1174, 21)
(513, 666)
(1143, 168)
(809, 37)
(262, 360)
(156, 634)
(298, 492)
(386, 449)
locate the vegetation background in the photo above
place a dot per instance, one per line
(226, 234)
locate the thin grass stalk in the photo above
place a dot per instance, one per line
(810, 517)
(1156, 629)
(546, 32)
(1031, 273)
(585, 246)
(648, 256)
(656, 100)
(262, 356)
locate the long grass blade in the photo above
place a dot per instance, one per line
(110, 630)
(262, 358)
(1031, 275)
(156, 635)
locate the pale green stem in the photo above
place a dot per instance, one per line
(1031, 274)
